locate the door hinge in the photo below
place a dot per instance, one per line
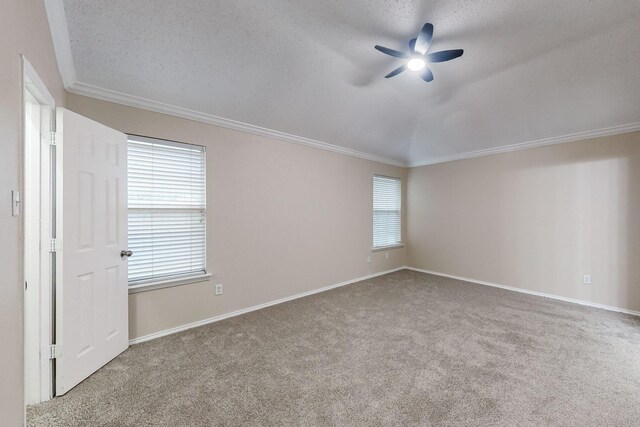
(55, 351)
(54, 246)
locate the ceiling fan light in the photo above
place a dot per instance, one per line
(416, 64)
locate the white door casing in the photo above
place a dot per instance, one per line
(91, 276)
(37, 213)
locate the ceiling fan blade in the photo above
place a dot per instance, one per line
(445, 55)
(391, 52)
(426, 74)
(424, 39)
(396, 71)
(412, 46)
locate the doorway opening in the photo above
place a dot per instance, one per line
(74, 196)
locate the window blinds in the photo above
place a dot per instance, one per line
(386, 211)
(167, 209)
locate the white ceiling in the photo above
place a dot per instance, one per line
(531, 69)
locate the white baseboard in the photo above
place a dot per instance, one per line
(526, 291)
(348, 282)
(254, 308)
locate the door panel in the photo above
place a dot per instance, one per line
(91, 285)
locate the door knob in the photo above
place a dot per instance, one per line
(126, 254)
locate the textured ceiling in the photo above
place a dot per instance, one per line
(531, 69)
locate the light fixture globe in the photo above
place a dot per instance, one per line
(416, 63)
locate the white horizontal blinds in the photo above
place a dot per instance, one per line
(167, 209)
(386, 211)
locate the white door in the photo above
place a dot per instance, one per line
(91, 278)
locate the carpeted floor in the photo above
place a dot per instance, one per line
(406, 348)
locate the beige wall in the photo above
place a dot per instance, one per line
(23, 30)
(282, 218)
(535, 219)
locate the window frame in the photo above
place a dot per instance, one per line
(399, 243)
(178, 279)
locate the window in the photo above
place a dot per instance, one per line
(386, 211)
(167, 209)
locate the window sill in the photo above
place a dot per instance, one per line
(388, 247)
(160, 284)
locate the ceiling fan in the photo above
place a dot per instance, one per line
(417, 59)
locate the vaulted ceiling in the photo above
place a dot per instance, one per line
(531, 70)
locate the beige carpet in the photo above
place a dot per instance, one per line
(402, 349)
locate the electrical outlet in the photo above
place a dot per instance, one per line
(386, 255)
(218, 289)
(586, 279)
(369, 258)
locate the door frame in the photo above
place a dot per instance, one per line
(38, 230)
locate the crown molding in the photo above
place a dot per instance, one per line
(578, 136)
(62, 47)
(159, 107)
(185, 113)
(61, 41)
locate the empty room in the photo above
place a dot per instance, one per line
(320, 213)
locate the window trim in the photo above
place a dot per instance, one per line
(399, 244)
(180, 279)
(387, 247)
(171, 143)
(186, 279)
